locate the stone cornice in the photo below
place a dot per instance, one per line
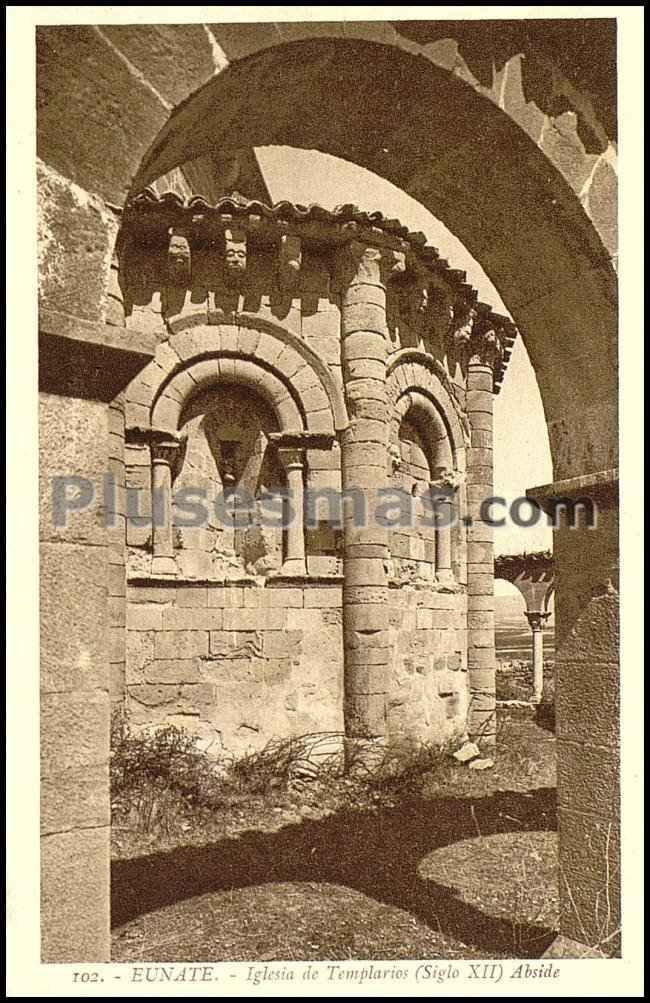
(89, 359)
(601, 485)
(428, 286)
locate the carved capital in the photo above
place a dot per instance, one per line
(289, 262)
(537, 619)
(359, 263)
(485, 347)
(165, 449)
(474, 337)
(446, 481)
(291, 457)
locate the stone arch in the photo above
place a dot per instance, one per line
(466, 161)
(414, 380)
(416, 404)
(262, 355)
(167, 409)
(503, 185)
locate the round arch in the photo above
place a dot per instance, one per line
(264, 356)
(216, 370)
(414, 379)
(418, 405)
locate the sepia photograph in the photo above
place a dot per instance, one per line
(328, 482)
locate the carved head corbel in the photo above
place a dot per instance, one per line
(235, 256)
(179, 260)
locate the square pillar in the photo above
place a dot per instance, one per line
(83, 366)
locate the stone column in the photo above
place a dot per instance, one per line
(537, 619)
(483, 350)
(163, 456)
(292, 460)
(363, 272)
(443, 494)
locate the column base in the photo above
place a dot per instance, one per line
(295, 566)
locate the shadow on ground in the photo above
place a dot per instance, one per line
(374, 852)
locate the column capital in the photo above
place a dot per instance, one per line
(485, 346)
(446, 480)
(475, 337)
(164, 448)
(291, 457)
(358, 262)
(537, 618)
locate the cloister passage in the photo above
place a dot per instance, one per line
(500, 187)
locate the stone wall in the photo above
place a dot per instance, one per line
(236, 664)
(428, 695)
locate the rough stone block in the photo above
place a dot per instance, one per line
(73, 632)
(587, 702)
(365, 714)
(480, 658)
(590, 844)
(174, 644)
(173, 671)
(75, 896)
(481, 401)
(321, 598)
(191, 618)
(144, 616)
(588, 778)
(479, 584)
(254, 619)
(74, 737)
(481, 638)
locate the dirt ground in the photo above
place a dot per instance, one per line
(457, 864)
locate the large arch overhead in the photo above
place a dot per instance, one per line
(466, 161)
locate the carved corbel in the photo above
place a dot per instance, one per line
(179, 261)
(289, 262)
(178, 273)
(462, 318)
(235, 256)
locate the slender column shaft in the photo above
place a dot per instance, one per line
(443, 538)
(536, 621)
(294, 562)
(163, 536)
